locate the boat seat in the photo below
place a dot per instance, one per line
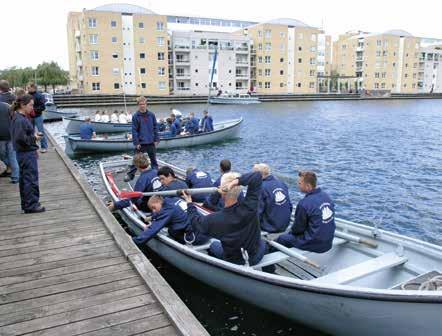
(360, 270)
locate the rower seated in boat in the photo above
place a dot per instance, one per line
(97, 116)
(206, 122)
(274, 208)
(176, 121)
(122, 118)
(236, 225)
(196, 178)
(214, 201)
(129, 116)
(171, 130)
(114, 117)
(192, 124)
(87, 131)
(168, 179)
(314, 226)
(148, 181)
(171, 213)
(104, 117)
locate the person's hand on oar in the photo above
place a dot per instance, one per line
(186, 197)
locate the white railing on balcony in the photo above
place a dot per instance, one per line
(183, 88)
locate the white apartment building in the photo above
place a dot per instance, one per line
(430, 67)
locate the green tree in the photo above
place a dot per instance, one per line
(51, 74)
(18, 77)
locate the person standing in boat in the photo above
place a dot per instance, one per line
(314, 226)
(145, 135)
(104, 117)
(196, 178)
(274, 208)
(206, 122)
(168, 179)
(25, 144)
(97, 117)
(87, 131)
(39, 107)
(192, 124)
(237, 224)
(171, 213)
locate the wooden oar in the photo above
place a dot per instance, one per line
(356, 239)
(178, 192)
(291, 253)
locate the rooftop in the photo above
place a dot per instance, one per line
(123, 8)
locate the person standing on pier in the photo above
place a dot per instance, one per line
(314, 226)
(39, 107)
(25, 144)
(145, 135)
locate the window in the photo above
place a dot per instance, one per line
(115, 71)
(312, 72)
(114, 55)
(313, 37)
(259, 33)
(95, 86)
(93, 39)
(259, 72)
(143, 85)
(143, 71)
(160, 26)
(378, 53)
(282, 46)
(281, 84)
(141, 39)
(113, 24)
(312, 60)
(196, 71)
(114, 39)
(94, 54)
(267, 85)
(141, 25)
(267, 72)
(298, 85)
(162, 85)
(268, 46)
(299, 60)
(382, 85)
(281, 60)
(95, 71)
(378, 43)
(116, 86)
(282, 34)
(267, 59)
(299, 48)
(260, 85)
(311, 85)
(160, 41)
(260, 46)
(160, 56)
(161, 71)
(92, 23)
(142, 55)
(376, 85)
(268, 33)
(376, 75)
(281, 72)
(259, 59)
(313, 49)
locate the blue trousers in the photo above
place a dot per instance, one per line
(216, 250)
(28, 181)
(8, 156)
(39, 126)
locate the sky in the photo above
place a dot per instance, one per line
(35, 31)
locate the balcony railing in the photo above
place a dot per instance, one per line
(242, 62)
(183, 88)
(181, 75)
(182, 47)
(182, 60)
(242, 75)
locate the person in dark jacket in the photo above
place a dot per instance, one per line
(314, 226)
(171, 213)
(196, 178)
(275, 207)
(192, 124)
(169, 181)
(237, 225)
(7, 152)
(206, 122)
(5, 95)
(39, 107)
(171, 130)
(25, 145)
(87, 131)
(145, 136)
(177, 122)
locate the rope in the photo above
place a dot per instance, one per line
(433, 284)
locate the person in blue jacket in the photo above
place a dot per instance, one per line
(206, 122)
(177, 122)
(39, 107)
(145, 135)
(192, 124)
(148, 181)
(171, 130)
(171, 213)
(196, 178)
(237, 224)
(24, 141)
(168, 179)
(314, 226)
(87, 131)
(275, 207)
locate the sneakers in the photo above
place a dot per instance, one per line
(36, 210)
(43, 150)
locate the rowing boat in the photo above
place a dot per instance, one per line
(222, 131)
(234, 99)
(72, 126)
(380, 288)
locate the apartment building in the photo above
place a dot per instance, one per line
(193, 59)
(287, 56)
(386, 61)
(118, 48)
(430, 67)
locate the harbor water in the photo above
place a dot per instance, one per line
(381, 161)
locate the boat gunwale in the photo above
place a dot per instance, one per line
(410, 296)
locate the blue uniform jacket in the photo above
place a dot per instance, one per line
(22, 134)
(236, 226)
(177, 124)
(173, 216)
(148, 181)
(275, 208)
(39, 103)
(175, 185)
(172, 132)
(199, 179)
(314, 225)
(144, 128)
(207, 124)
(86, 131)
(192, 125)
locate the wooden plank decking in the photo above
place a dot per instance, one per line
(73, 270)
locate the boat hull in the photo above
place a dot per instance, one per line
(52, 114)
(72, 126)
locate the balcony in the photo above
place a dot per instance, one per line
(185, 88)
(182, 61)
(182, 47)
(242, 75)
(242, 50)
(182, 75)
(242, 62)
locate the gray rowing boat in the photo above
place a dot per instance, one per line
(72, 126)
(53, 114)
(380, 288)
(222, 131)
(234, 99)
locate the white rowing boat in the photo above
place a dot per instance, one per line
(234, 99)
(359, 290)
(222, 131)
(72, 126)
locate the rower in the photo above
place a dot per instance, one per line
(114, 117)
(206, 122)
(192, 124)
(129, 116)
(97, 116)
(176, 122)
(104, 117)
(214, 201)
(314, 226)
(168, 179)
(122, 118)
(148, 181)
(87, 131)
(274, 208)
(236, 225)
(171, 213)
(196, 178)
(172, 130)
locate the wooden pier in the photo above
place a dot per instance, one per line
(73, 270)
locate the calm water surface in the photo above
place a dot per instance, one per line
(381, 161)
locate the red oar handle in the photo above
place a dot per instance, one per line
(112, 183)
